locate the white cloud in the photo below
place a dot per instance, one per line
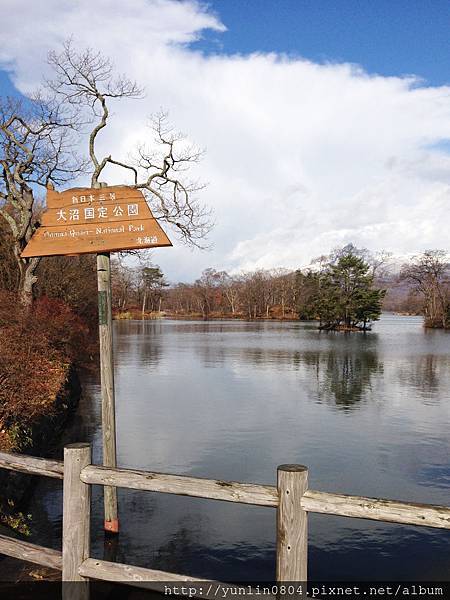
(300, 156)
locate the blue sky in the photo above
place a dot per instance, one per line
(389, 37)
(6, 87)
(304, 153)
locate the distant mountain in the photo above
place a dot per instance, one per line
(400, 296)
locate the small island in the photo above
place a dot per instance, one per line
(342, 294)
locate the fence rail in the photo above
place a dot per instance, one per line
(291, 497)
(198, 487)
(31, 552)
(32, 465)
(138, 576)
(377, 509)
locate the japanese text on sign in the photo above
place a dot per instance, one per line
(101, 212)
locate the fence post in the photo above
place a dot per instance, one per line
(292, 524)
(76, 521)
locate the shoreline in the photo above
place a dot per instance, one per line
(43, 439)
(135, 315)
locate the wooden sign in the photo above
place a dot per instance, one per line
(85, 220)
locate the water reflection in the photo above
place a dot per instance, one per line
(374, 552)
(437, 475)
(423, 374)
(343, 374)
(140, 342)
(343, 378)
(233, 400)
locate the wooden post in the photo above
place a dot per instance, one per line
(292, 524)
(76, 521)
(111, 522)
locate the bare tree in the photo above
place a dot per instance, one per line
(429, 274)
(206, 291)
(230, 289)
(37, 140)
(124, 283)
(378, 261)
(254, 292)
(284, 289)
(87, 80)
(151, 287)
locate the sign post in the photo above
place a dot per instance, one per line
(111, 523)
(99, 221)
(106, 345)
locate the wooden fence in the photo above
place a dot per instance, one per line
(291, 498)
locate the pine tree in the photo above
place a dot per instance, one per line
(346, 298)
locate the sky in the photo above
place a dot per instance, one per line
(323, 122)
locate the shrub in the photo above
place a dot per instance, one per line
(38, 347)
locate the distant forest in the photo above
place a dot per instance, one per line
(419, 287)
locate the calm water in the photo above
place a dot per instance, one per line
(369, 414)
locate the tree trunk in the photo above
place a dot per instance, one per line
(144, 303)
(27, 279)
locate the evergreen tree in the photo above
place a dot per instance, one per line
(306, 290)
(345, 297)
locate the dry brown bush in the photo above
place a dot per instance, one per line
(37, 348)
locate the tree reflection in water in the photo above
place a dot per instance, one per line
(344, 378)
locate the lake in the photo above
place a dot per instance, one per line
(369, 414)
